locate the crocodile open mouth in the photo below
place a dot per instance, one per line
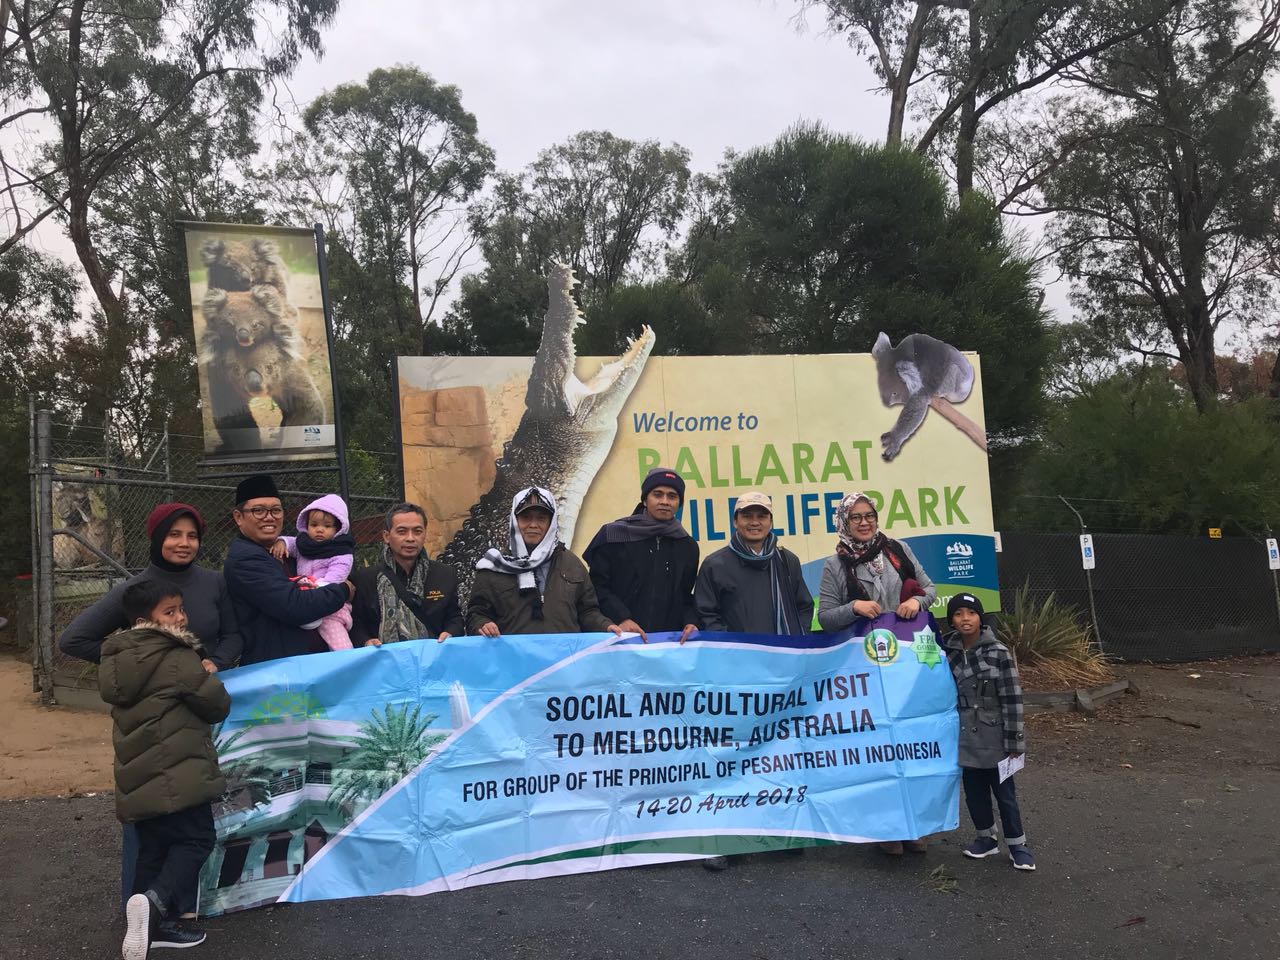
(554, 387)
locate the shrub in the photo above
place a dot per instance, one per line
(1051, 638)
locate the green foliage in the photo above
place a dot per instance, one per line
(1044, 630)
(37, 314)
(411, 157)
(1139, 438)
(831, 241)
(602, 204)
(126, 99)
(392, 745)
(1169, 195)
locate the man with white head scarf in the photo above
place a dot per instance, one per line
(537, 586)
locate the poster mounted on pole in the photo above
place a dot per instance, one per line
(258, 309)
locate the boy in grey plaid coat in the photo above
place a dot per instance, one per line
(991, 728)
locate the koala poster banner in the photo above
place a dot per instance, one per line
(421, 767)
(261, 344)
(903, 424)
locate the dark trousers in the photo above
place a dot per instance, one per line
(129, 864)
(979, 786)
(171, 851)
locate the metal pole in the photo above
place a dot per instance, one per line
(168, 469)
(339, 443)
(35, 543)
(1275, 581)
(44, 569)
(1088, 579)
(395, 405)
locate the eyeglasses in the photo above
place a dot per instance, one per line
(261, 513)
(861, 517)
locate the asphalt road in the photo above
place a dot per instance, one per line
(1153, 826)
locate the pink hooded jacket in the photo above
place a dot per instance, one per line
(327, 569)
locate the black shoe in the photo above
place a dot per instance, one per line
(176, 936)
(142, 915)
(716, 863)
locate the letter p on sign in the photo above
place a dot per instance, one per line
(1273, 554)
(1087, 557)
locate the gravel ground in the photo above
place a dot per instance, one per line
(1153, 827)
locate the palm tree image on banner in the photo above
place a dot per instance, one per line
(295, 778)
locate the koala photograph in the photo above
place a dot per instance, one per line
(911, 375)
(261, 342)
(265, 371)
(247, 317)
(240, 265)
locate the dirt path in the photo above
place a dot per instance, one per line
(48, 752)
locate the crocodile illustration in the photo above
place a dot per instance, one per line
(563, 437)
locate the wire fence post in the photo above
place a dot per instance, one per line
(1275, 580)
(42, 648)
(1088, 579)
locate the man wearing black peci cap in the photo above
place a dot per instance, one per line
(268, 607)
(643, 566)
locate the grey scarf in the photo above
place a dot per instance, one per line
(399, 622)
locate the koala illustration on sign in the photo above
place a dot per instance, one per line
(919, 373)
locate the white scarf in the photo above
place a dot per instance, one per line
(529, 568)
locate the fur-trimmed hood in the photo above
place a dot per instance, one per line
(138, 653)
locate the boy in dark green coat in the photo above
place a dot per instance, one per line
(166, 768)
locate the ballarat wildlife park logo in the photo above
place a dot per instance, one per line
(959, 561)
(881, 647)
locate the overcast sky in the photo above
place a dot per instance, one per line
(707, 74)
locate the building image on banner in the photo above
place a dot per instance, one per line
(903, 424)
(262, 351)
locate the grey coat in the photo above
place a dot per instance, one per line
(989, 698)
(835, 606)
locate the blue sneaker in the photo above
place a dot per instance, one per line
(1021, 857)
(982, 847)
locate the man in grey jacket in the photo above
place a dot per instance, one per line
(753, 585)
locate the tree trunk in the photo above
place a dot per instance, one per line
(900, 82)
(968, 113)
(107, 379)
(1201, 362)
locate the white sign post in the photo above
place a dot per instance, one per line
(1273, 554)
(1086, 551)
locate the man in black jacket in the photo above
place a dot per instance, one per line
(643, 566)
(405, 596)
(269, 609)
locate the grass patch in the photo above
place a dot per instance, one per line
(941, 880)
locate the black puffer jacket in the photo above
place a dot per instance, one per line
(162, 703)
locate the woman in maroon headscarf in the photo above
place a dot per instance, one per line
(175, 531)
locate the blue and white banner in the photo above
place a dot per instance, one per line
(419, 767)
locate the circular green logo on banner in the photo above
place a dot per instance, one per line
(881, 647)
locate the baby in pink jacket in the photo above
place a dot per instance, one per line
(323, 548)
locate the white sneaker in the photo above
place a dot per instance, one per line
(140, 920)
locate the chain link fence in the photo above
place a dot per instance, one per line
(91, 492)
(1151, 597)
(1154, 597)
